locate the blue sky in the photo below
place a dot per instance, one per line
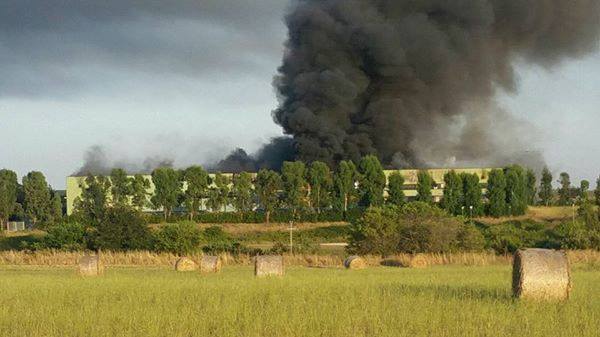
(168, 84)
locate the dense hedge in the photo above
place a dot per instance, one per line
(418, 227)
(413, 228)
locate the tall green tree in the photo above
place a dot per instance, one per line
(472, 197)
(424, 186)
(56, 208)
(293, 175)
(243, 192)
(531, 187)
(167, 189)
(197, 181)
(8, 194)
(453, 193)
(218, 198)
(139, 191)
(496, 193)
(396, 189)
(37, 197)
(516, 189)
(345, 181)
(597, 192)
(564, 192)
(584, 188)
(268, 184)
(91, 205)
(121, 187)
(321, 182)
(372, 181)
(546, 192)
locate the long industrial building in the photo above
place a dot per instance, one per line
(74, 183)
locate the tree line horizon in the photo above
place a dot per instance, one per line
(298, 187)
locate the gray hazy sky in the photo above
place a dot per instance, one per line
(191, 80)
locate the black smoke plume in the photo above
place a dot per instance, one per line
(270, 156)
(414, 81)
(96, 162)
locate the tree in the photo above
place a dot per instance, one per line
(321, 181)
(584, 187)
(546, 193)
(268, 184)
(496, 193)
(516, 190)
(372, 181)
(243, 193)
(139, 191)
(597, 192)
(90, 206)
(56, 208)
(8, 194)
(197, 182)
(472, 197)
(344, 181)
(121, 187)
(396, 189)
(424, 186)
(37, 197)
(293, 175)
(531, 187)
(564, 192)
(167, 189)
(453, 193)
(219, 194)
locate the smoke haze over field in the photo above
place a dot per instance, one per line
(414, 81)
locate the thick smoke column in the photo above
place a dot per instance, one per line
(414, 81)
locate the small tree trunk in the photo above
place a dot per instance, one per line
(318, 203)
(268, 216)
(345, 202)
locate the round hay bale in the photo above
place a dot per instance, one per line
(541, 274)
(418, 261)
(210, 264)
(355, 262)
(185, 264)
(90, 265)
(268, 265)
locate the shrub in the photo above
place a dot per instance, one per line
(122, 228)
(65, 236)
(180, 238)
(507, 237)
(504, 238)
(569, 235)
(470, 239)
(428, 229)
(413, 228)
(376, 232)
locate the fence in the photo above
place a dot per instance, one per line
(15, 226)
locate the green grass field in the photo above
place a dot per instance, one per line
(439, 301)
